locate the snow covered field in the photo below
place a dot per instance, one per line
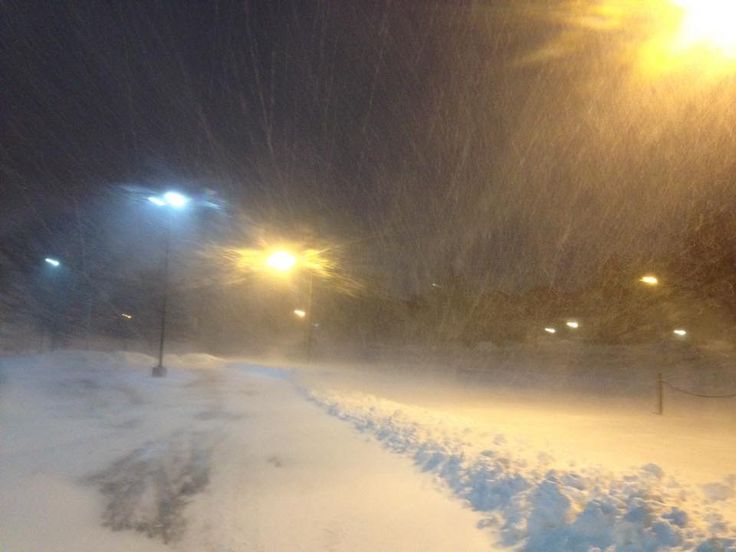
(96, 455)
(229, 456)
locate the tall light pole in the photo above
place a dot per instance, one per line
(56, 264)
(170, 200)
(306, 315)
(284, 262)
(310, 318)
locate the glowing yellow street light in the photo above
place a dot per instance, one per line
(708, 23)
(300, 313)
(281, 261)
(649, 279)
(693, 34)
(574, 324)
(680, 332)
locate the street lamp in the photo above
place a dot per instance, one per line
(573, 324)
(281, 261)
(708, 23)
(176, 201)
(691, 34)
(649, 279)
(170, 199)
(57, 265)
(284, 262)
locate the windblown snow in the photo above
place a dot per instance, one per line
(231, 456)
(537, 507)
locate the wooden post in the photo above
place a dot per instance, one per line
(660, 394)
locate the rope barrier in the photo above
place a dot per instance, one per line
(700, 395)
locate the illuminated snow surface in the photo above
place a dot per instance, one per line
(97, 455)
(229, 456)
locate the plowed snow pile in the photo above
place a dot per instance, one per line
(555, 474)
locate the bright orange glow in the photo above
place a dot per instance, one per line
(281, 261)
(709, 23)
(658, 37)
(649, 280)
(695, 35)
(292, 262)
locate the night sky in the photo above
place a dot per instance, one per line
(511, 141)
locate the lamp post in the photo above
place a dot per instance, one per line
(57, 265)
(284, 262)
(309, 320)
(170, 200)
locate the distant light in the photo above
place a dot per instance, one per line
(572, 324)
(649, 279)
(282, 261)
(126, 315)
(680, 332)
(550, 330)
(53, 262)
(300, 313)
(157, 201)
(175, 199)
(434, 285)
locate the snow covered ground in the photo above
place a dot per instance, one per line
(97, 455)
(555, 467)
(230, 456)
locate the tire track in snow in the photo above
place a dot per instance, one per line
(147, 490)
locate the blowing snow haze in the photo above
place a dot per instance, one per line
(358, 275)
(518, 141)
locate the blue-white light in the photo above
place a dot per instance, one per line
(157, 201)
(53, 262)
(175, 199)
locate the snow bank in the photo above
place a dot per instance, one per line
(537, 508)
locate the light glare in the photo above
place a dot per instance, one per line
(708, 23)
(300, 313)
(680, 332)
(175, 199)
(126, 316)
(53, 262)
(572, 324)
(281, 261)
(550, 330)
(157, 201)
(649, 280)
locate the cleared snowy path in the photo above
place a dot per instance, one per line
(554, 476)
(97, 455)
